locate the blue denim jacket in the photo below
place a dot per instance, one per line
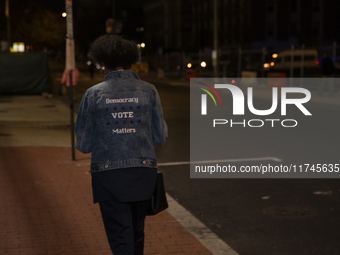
(120, 121)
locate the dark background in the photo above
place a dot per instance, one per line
(177, 25)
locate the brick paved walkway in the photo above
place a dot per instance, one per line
(46, 208)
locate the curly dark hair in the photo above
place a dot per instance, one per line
(112, 51)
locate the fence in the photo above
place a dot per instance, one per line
(291, 62)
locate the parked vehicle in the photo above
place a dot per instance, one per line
(282, 60)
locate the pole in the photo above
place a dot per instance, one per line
(334, 51)
(8, 25)
(214, 54)
(302, 65)
(184, 66)
(291, 66)
(263, 59)
(199, 62)
(167, 64)
(302, 60)
(291, 60)
(70, 65)
(239, 62)
(72, 115)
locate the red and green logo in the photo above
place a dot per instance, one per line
(209, 93)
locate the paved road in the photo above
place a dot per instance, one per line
(261, 216)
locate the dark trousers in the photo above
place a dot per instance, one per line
(124, 226)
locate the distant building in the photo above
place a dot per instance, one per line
(188, 24)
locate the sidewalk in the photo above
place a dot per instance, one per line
(46, 198)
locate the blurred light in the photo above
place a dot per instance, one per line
(64, 14)
(97, 66)
(275, 55)
(15, 47)
(142, 45)
(233, 81)
(18, 47)
(266, 65)
(203, 64)
(317, 62)
(189, 65)
(88, 62)
(138, 45)
(141, 29)
(21, 47)
(272, 64)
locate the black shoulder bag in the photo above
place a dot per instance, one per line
(158, 201)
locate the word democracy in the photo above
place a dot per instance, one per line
(121, 100)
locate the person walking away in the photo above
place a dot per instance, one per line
(120, 120)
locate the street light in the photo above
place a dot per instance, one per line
(142, 45)
(203, 64)
(214, 53)
(64, 14)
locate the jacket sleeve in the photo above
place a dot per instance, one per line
(85, 125)
(159, 126)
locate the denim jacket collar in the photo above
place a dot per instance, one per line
(128, 74)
